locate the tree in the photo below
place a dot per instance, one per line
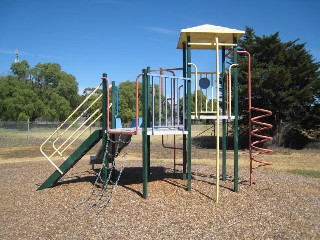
(52, 82)
(285, 80)
(21, 69)
(49, 93)
(18, 101)
(127, 101)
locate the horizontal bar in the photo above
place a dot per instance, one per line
(166, 76)
(204, 72)
(213, 44)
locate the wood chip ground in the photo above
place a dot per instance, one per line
(278, 206)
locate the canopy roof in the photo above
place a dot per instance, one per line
(206, 34)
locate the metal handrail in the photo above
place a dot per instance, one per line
(58, 128)
(76, 120)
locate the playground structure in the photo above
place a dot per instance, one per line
(166, 110)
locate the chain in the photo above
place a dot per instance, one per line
(205, 131)
(115, 184)
(108, 181)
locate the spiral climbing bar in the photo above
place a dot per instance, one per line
(256, 127)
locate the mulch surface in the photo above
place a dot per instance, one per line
(278, 206)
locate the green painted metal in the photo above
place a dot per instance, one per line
(148, 103)
(144, 133)
(236, 113)
(184, 137)
(189, 112)
(104, 123)
(224, 112)
(92, 140)
(113, 118)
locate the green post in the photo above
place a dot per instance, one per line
(235, 79)
(189, 113)
(113, 118)
(149, 118)
(224, 122)
(104, 123)
(145, 133)
(184, 137)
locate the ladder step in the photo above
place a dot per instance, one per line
(95, 160)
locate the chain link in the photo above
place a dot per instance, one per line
(97, 195)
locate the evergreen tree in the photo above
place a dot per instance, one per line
(285, 80)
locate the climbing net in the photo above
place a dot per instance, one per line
(105, 185)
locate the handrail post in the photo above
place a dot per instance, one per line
(236, 140)
(224, 121)
(188, 94)
(114, 105)
(113, 117)
(184, 165)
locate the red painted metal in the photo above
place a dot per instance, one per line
(262, 138)
(137, 102)
(258, 129)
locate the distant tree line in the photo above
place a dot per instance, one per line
(44, 91)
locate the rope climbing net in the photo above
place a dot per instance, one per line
(105, 184)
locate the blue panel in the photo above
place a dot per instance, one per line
(118, 123)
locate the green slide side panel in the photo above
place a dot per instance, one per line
(92, 140)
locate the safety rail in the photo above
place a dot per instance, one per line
(165, 106)
(163, 89)
(55, 136)
(208, 76)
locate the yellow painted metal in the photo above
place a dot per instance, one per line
(196, 73)
(65, 121)
(217, 122)
(229, 88)
(211, 45)
(73, 123)
(196, 86)
(78, 129)
(203, 36)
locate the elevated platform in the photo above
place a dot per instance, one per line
(211, 117)
(150, 131)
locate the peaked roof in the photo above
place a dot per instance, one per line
(206, 34)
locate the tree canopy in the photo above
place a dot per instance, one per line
(285, 80)
(44, 91)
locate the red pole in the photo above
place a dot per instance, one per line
(249, 109)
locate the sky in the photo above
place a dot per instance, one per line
(121, 37)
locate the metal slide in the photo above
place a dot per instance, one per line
(90, 142)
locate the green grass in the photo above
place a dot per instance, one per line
(313, 145)
(306, 173)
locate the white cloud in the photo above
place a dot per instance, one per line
(5, 51)
(164, 31)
